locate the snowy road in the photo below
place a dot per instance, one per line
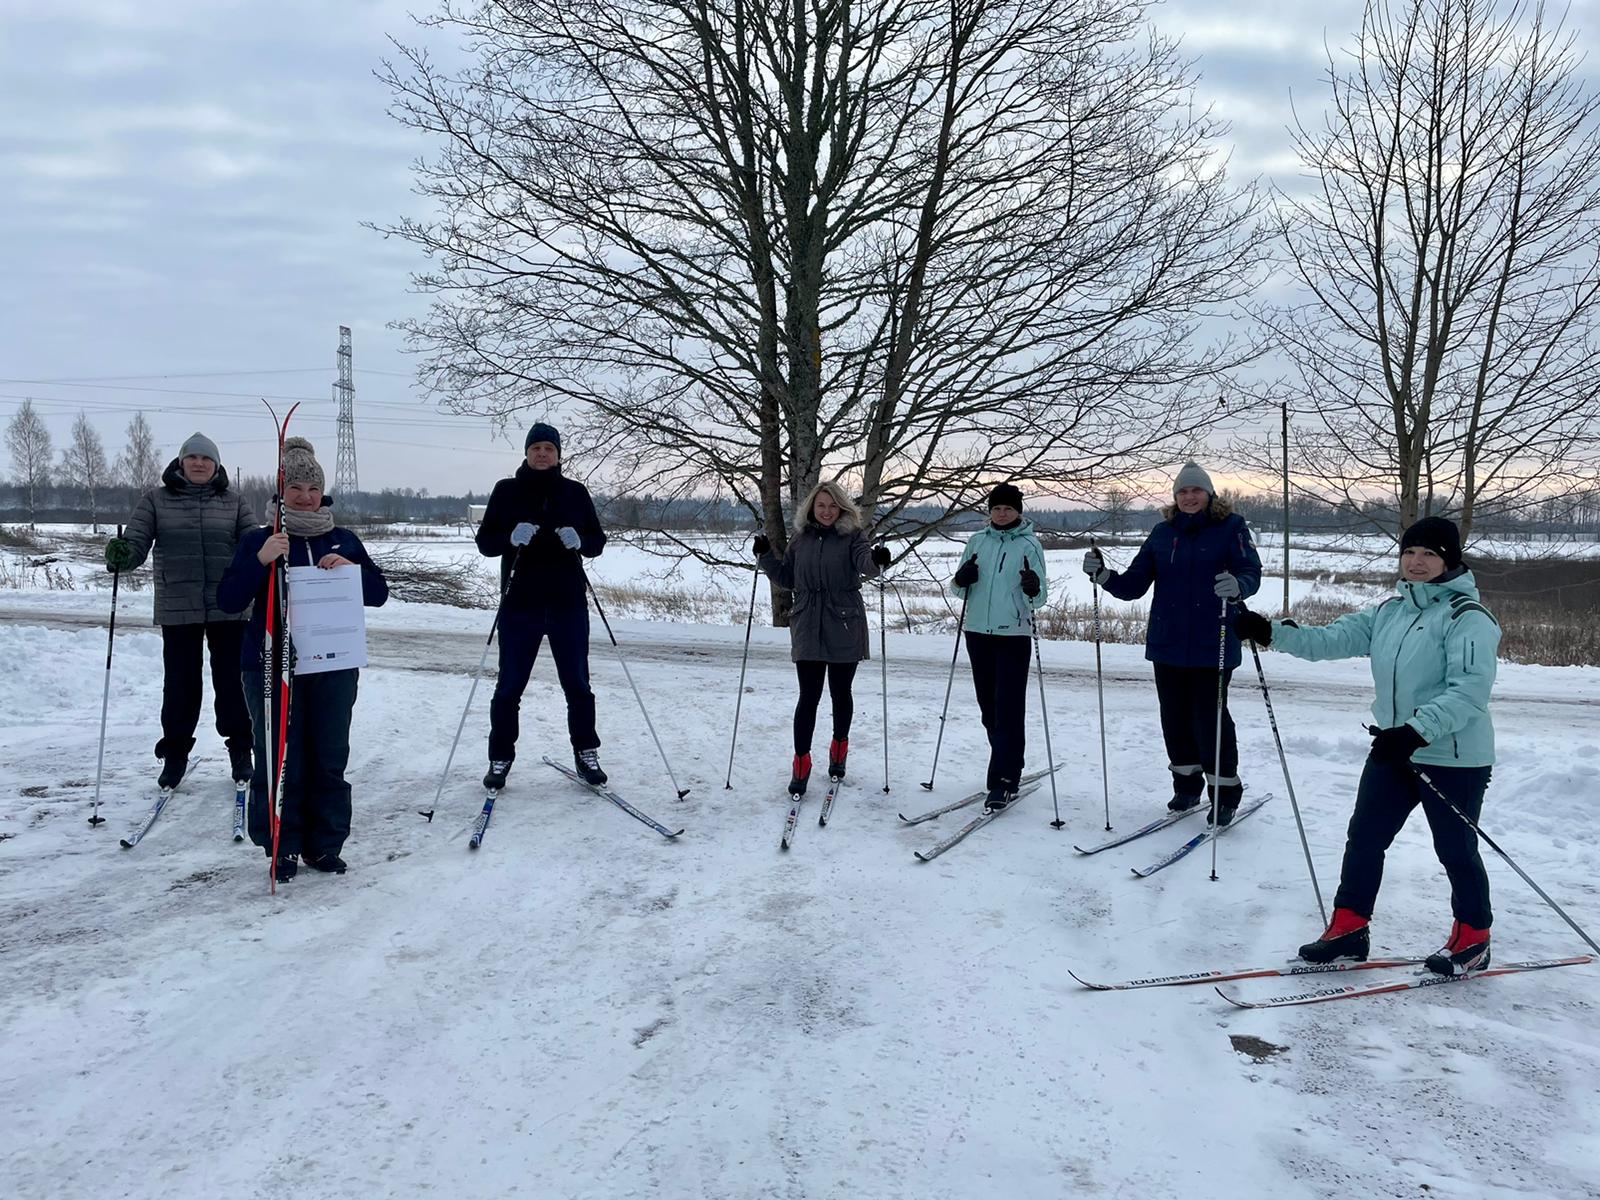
(583, 1010)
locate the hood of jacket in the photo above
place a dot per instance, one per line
(1452, 583)
(1220, 509)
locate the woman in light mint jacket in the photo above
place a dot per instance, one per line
(1433, 650)
(1001, 581)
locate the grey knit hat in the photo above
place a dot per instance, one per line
(1192, 475)
(200, 444)
(300, 464)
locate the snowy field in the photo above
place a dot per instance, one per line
(581, 1009)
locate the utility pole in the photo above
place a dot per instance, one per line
(344, 473)
(1284, 406)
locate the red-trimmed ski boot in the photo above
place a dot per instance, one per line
(838, 749)
(802, 773)
(1467, 950)
(1346, 937)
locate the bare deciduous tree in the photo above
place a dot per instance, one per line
(138, 466)
(922, 245)
(83, 465)
(28, 441)
(1448, 348)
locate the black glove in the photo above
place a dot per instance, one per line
(881, 556)
(1397, 744)
(967, 573)
(1253, 626)
(761, 545)
(1030, 581)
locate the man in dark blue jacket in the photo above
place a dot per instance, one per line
(314, 797)
(539, 522)
(1198, 557)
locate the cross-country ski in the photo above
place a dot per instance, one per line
(138, 832)
(480, 824)
(1154, 826)
(608, 794)
(1290, 968)
(1421, 980)
(1200, 839)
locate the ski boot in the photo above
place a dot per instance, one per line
(495, 779)
(838, 749)
(1228, 797)
(332, 864)
(1181, 803)
(1347, 936)
(174, 762)
(1467, 950)
(800, 774)
(240, 762)
(587, 763)
(287, 866)
(1000, 796)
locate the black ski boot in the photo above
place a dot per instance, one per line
(174, 762)
(1228, 797)
(1467, 950)
(1000, 796)
(241, 762)
(801, 772)
(1181, 803)
(287, 867)
(1347, 936)
(330, 863)
(587, 763)
(838, 750)
(495, 778)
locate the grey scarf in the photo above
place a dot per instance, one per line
(307, 524)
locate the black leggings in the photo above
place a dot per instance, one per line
(839, 675)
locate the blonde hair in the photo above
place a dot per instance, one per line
(849, 515)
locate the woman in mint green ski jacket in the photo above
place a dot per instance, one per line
(1432, 647)
(1002, 581)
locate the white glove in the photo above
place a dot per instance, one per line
(569, 537)
(1095, 567)
(523, 534)
(1226, 586)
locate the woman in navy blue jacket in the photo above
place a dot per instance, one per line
(1199, 555)
(315, 796)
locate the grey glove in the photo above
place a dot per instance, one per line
(1226, 586)
(1095, 567)
(569, 537)
(523, 534)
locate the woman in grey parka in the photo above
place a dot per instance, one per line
(193, 522)
(828, 557)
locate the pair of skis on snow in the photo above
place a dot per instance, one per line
(1027, 784)
(1160, 823)
(1424, 979)
(480, 826)
(138, 832)
(792, 821)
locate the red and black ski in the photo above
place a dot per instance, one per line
(276, 640)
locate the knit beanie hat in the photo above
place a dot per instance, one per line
(1436, 534)
(1006, 493)
(1192, 475)
(201, 445)
(300, 464)
(543, 433)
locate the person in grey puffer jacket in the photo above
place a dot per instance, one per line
(827, 558)
(193, 522)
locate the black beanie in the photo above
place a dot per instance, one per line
(1436, 534)
(1005, 493)
(543, 433)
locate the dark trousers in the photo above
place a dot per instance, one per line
(1388, 793)
(520, 636)
(314, 794)
(839, 676)
(1188, 699)
(1000, 678)
(183, 660)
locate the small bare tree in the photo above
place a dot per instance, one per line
(925, 245)
(139, 466)
(1449, 347)
(83, 465)
(28, 440)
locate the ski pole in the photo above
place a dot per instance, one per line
(1289, 783)
(494, 625)
(738, 704)
(105, 697)
(1100, 690)
(1472, 825)
(1216, 757)
(1044, 712)
(621, 658)
(949, 684)
(883, 675)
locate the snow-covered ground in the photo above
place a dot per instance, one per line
(581, 1009)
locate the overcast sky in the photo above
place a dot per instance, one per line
(183, 184)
